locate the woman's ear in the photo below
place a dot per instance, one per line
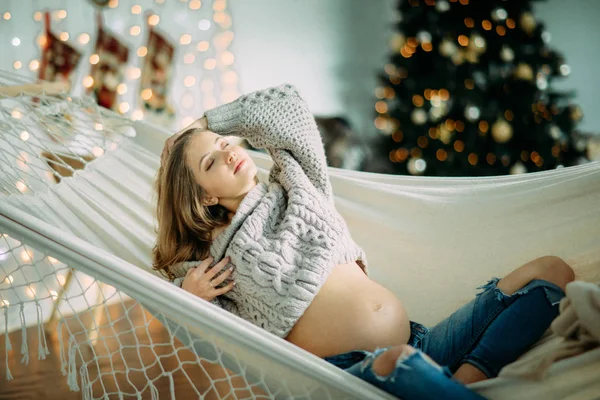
(210, 201)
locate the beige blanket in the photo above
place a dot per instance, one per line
(578, 323)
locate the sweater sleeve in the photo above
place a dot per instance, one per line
(276, 118)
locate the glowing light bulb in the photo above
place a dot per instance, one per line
(15, 41)
(24, 136)
(204, 25)
(147, 94)
(189, 58)
(94, 58)
(53, 294)
(142, 51)
(123, 107)
(88, 81)
(135, 30)
(210, 63)
(84, 38)
(186, 38)
(134, 73)
(189, 81)
(34, 65)
(17, 65)
(42, 40)
(227, 58)
(98, 151)
(153, 20)
(137, 115)
(122, 88)
(202, 46)
(16, 114)
(26, 255)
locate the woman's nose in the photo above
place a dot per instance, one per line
(231, 157)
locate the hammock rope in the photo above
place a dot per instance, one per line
(77, 229)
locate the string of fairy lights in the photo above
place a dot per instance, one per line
(205, 59)
(205, 62)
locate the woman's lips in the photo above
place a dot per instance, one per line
(239, 166)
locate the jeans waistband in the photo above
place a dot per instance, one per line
(417, 332)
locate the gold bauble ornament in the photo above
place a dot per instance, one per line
(576, 113)
(477, 44)
(448, 48)
(524, 71)
(419, 116)
(416, 166)
(397, 41)
(527, 22)
(507, 54)
(518, 168)
(459, 57)
(502, 131)
(472, 56)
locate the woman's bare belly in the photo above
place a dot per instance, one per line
(351, 312)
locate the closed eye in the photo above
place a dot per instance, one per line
(213, 161)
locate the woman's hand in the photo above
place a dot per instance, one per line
(203, 283)
(201, 123)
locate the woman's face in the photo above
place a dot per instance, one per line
(224, 170)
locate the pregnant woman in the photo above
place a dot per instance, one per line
(299, 275)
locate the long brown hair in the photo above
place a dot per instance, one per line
(185, 224)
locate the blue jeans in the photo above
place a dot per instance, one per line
(489, 332)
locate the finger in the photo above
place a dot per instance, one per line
(225, 288)
(219, 279)
(204, 264)
(218, 267)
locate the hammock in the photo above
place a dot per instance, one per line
(69, 249)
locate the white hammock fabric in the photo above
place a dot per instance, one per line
(431, 241)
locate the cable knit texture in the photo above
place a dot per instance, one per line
(286, 236)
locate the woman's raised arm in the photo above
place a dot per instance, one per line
(276, 118)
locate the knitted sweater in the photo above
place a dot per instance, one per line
(286, 236)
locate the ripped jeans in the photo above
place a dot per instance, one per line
(489, 332)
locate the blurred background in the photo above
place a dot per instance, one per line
(419, 87)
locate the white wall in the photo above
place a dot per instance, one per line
(331, 50)
(575, 32)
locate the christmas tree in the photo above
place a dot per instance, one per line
(467, 92)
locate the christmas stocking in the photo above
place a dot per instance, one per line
(59, 59)
(156, 74)
(108, 72)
